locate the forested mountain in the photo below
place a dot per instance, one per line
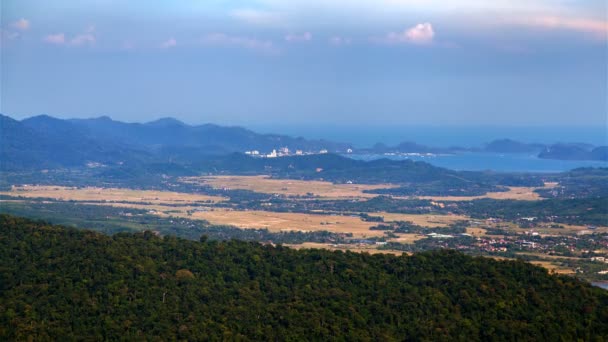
(59, 283)
(574, 152)
(45, 142)
(512, 146)
(173, 133)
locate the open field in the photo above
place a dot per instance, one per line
(424, 220)
(276, 222)
(553, 267)
(371, 249)
(288, 187)
(109, 195)
(521, 193)
(476, 231)
(408, 238)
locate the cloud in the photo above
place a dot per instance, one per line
(21, 24)
(340, 41)
(87, 37)
(171, 42)
(57, 39)
(419, 34)
(598, 28)
(258, 17)
(222, 39)
(294, 38)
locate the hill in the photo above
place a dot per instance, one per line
(45, 142)
(170, 132)
(59, 283)
(574, 152)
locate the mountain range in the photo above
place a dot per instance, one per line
(46, 142)
(561, 151)
(43, 141)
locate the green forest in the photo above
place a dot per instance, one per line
(59, 283)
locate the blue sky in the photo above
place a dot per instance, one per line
(405, 62)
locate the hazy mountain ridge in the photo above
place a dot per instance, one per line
(45, 142)
(559, 151)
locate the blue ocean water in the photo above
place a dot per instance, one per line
(440, 136)
(492, 161)
(463, 136)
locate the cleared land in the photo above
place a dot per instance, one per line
(277, 222)
(109, 195)
(288, 187)
(422, 220)
(521, 193)
(371, 249)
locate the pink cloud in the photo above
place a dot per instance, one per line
(419, 34)
(57, 39)
(21, 24)
(598, 28)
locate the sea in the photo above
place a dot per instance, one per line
(462, 136)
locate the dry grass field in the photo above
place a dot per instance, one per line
(109, 195)
(553, 267)
(475, 231)
(277, 222)
(422, 220)
(288, 187)
(521, 193)
(371, 249)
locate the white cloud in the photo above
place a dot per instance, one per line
(171, 42)
(294, 38)
(340, 41)
(419, 34)
(222, 39)
(21, 24)
(257, 17)
(57, 39)
(87, 37)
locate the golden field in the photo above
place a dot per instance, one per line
(287, 187)
(109, 195)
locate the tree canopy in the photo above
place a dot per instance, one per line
(68, 284)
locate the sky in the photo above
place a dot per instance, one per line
(327, 62)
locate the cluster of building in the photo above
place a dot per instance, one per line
(286, 152)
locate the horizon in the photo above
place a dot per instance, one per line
(361, 136)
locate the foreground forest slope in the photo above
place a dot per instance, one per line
(64, 283)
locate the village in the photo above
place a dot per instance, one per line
(287, 152)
